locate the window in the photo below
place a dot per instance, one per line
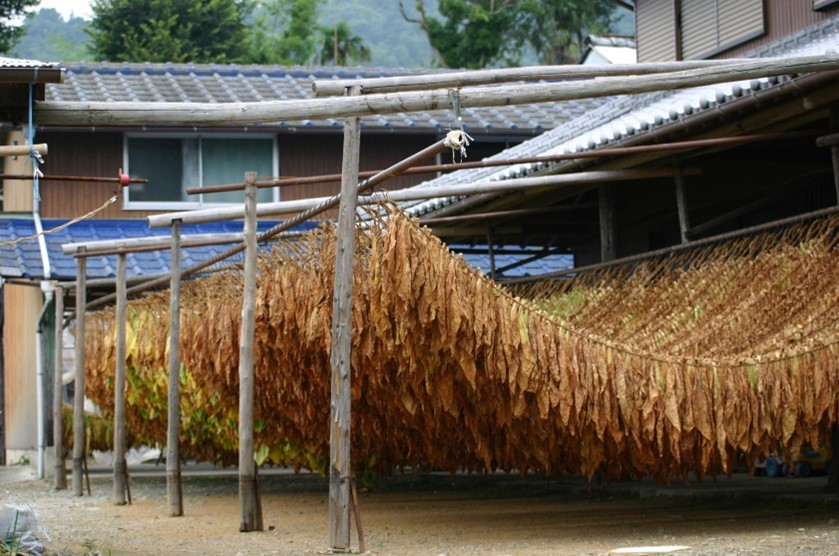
(172, 163)
(695, 29)
(713, 26)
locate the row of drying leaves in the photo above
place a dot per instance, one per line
(670, 367)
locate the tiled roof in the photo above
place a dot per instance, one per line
(23, 259)
(632, 115)
(113, 82)
(19, 63)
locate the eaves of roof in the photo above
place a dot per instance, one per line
(15, 70)
(637, 117)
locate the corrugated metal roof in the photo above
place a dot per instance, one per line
(124, 82)
(18, 63)
(626, 116)
(23, 259)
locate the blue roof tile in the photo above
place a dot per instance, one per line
(23, 259)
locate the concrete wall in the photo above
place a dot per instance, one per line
(22, 306)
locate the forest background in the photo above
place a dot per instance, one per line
(372, 33)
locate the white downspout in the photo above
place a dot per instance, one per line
(47, 288)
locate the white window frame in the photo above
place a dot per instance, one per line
(199, 203)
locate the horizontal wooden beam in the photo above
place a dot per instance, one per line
(22, 150)
(602, 152)
(421, 193)
(244, 113)
(454, 79)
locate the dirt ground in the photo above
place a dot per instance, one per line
(442, 515)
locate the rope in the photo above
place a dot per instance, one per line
(12, 242)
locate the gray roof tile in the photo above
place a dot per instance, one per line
(121, 82)
(624, 116)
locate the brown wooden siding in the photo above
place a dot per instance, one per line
(310, 155)
(100, 154)
(657, 40)
(82, 154)
(783, 17)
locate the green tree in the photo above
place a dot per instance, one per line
(200, 31)
(481, 33)
(472, 34)
(556, 29)
(284, 32)
(10, 10)
(49, 38)
(341, 47)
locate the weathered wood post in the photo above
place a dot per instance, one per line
(251, 507)
(174, 490)
(608, 228)
(682, 208)
(340, 467)
(120, 466)
(58, 388)
(78, 388)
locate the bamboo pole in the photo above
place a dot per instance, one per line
(251, 510)
(420, 193)
(90, 179)
(543, 159)
(337, 87)
(78, 396)
(174, 490)
(154, 243)
(22, 150)
(58, 388)
(120, 465)
(340, 466)
(693, 244)
(505, 213)
(239, 113)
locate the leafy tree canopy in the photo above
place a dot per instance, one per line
(289, 32)
(200, 31)
(9, 11)
(341, 47)
(482, 33)
(49, 38)
(284, 32)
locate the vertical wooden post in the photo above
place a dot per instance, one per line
(682, 208)
(78, 396)
(174, 490)
(120, 466)
(833, 476)
(491, 251)
(58, 388)
(608, 241)
(834, 149)
(340, 468)
(251, 508)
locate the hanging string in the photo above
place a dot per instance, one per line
(457, 140)
(105, 205)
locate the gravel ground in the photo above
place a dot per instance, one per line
(442, 515)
